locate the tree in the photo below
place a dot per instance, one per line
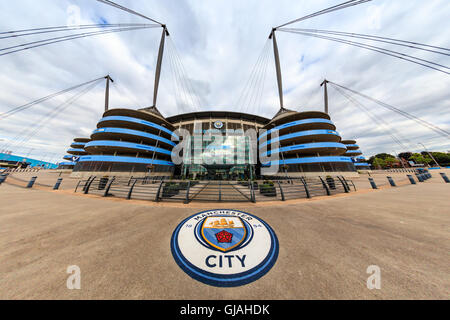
(442, 158)
(420, 159)
(384, 156)
(405, 155)
(390, 161)
(378, 163)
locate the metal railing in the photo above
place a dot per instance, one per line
(400, 170)
(214, 191)
(218, 191)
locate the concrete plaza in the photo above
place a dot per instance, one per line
(326, 245)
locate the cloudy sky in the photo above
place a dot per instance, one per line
(219, 43)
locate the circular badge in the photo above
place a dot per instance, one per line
(224, 248)
(218, 124)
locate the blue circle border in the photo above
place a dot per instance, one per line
(219, 280)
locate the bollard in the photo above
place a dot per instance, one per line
(3, 178)
(372, 183)
(31, 183)
(444, 176)
(58, 183)
(391, 181)
(411, 179)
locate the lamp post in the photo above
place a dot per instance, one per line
(401, 160)
(429, 154)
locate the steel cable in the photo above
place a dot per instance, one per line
(392, 53)
(19, 33)
(371, 116)
(40, 43)
(31, 131)
(398, 42)
(33, 103)
(118, 6)
(327, 10)
(422, 122)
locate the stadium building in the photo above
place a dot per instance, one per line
(131, 142)
(355, 154)
(308, 142)
(74, 153)
(140, 143)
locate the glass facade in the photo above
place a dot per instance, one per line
(218, 153)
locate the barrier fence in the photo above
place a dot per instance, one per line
(17, 170)
(27, 181)
(162, 189)
(411, 170)
(215, 191)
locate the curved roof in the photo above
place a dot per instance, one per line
(108, 133)
(352, 146)
(348, 141)
(304, 136)
(302, 125)
(144, 114)
(76, 152)
(77, 145)
(111, 146)
(121, 159)
(353, 153)
(285, 115)
(83, 140)
(362, 164)
(311, 160)
(67, 163)
(133, 123)
(329, 148)
(217, 114)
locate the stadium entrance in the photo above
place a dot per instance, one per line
(227, 172)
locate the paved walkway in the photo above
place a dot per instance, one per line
(326, 245)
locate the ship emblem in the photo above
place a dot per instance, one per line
(223, 233)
